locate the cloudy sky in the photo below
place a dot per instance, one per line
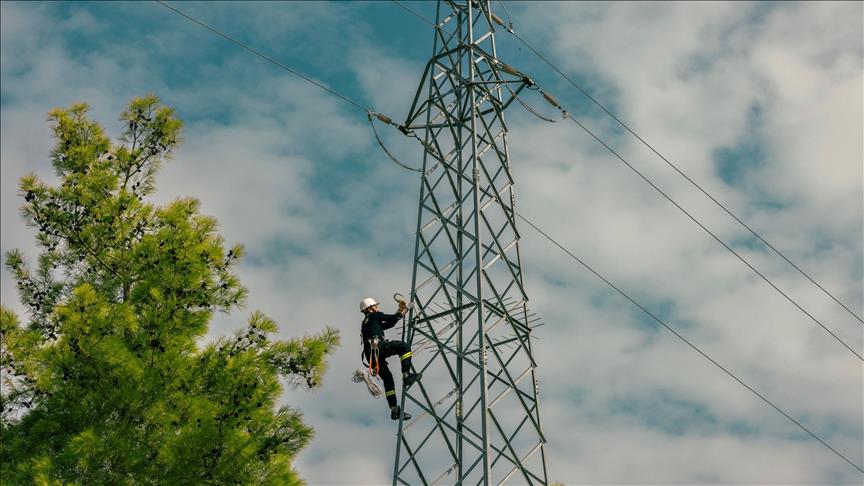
(761, 103)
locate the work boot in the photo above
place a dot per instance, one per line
(394, 413)
(409, 378)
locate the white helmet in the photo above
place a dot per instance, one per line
(367, 303)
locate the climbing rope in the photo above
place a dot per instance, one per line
(360, 376)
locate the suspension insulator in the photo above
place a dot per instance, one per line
(508, 69)
(384, 118)
(496, 19)
(552, 101)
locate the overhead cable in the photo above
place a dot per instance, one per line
(414, 13)
(682, 338)
(679, 171)
(266, 57)
(717, 238)
(369, 112)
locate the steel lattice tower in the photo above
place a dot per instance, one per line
(477, 419)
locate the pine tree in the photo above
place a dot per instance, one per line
(110, 381)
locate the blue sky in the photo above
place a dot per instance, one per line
(760, 103)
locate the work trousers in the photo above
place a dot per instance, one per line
(385, 350)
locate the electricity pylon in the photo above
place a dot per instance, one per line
(477, 419)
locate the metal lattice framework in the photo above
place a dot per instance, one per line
(477, 419)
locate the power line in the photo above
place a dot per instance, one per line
(266, 57)
(679, 171)
(565, 113)
(414, 13)
(682, 338)
(369, 112)
(713, 235)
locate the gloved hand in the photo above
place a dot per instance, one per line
(403, 307)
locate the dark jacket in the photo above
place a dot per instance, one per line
(374, 325)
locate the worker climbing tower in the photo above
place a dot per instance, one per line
(476, 414)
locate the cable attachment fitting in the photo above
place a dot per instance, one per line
(386, 119)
